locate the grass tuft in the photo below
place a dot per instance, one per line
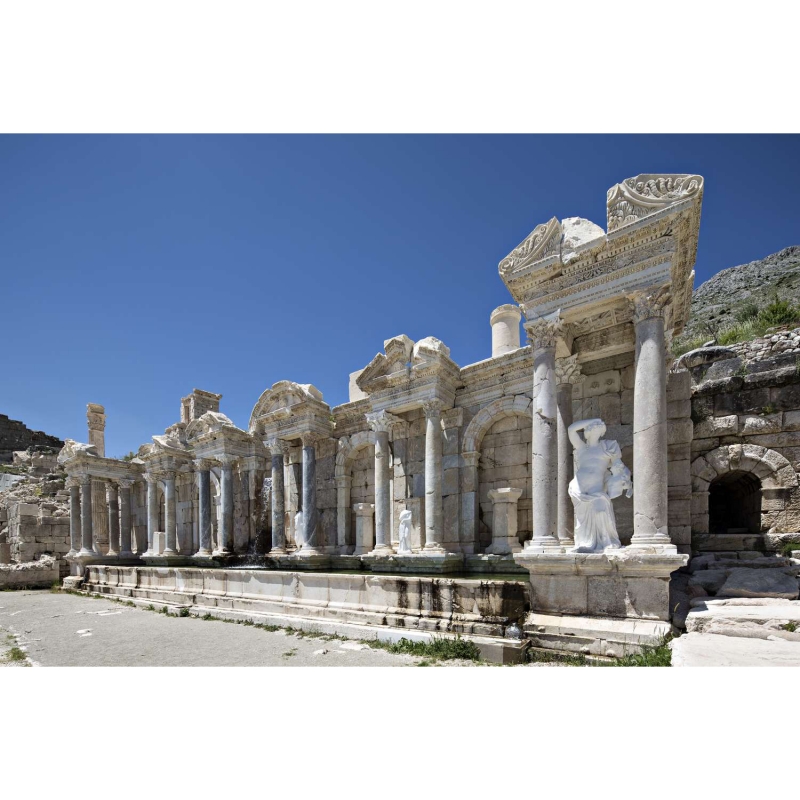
(15, 654)
(790, 548)
(438, 648)
(789, 626)
(184, 612)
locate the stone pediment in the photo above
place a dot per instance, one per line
(289, 409)
(653, 224)
(173, 440)
(210, 422)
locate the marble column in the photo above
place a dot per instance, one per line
(311, 544)
(542, 334)
(125, 519)
(226, 506)
(112, 504)
(74, 517)
(381, 422)
(170, 517)
(152, 510)
(650, 528)
(87, 528)
(568, 372)
(433, 476)
(204, 506)
(278, 543)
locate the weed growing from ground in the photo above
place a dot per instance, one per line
(439, 648)
(789, 626)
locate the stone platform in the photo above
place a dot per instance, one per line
(368, 602)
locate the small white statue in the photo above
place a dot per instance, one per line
(298, 530)
(404, 545)
(599, 476)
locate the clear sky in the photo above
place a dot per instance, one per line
(136, 268)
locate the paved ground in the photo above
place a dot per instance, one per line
(68, 630)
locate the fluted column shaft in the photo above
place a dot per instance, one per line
(74, 518)
(87, 528)
(433, 476)
(170, 517)
(310, 533)
(204, 509)
(112, 504)
(152, 510)
(224, 546)
(125, 520)
(278, 500)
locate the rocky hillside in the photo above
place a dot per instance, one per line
(715, 303)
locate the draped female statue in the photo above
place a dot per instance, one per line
(600, 476)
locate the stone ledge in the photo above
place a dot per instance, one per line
(414, 563)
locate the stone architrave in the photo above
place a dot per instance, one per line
(504, 521)
(381, 423)
(364, 528)
(433, 476)
(650, 524)
(542, 334)
(568, 373)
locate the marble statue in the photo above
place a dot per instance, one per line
(600, 476)
(404, 545)
(298, 530)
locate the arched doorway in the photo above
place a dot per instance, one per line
(734, 503)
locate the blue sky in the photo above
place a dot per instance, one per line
(135, 268)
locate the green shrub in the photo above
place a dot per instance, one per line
(778, 312)
(790, 548)
(747, 311)
(438, 648)
(681, 346)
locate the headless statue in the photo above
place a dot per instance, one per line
(404, 533)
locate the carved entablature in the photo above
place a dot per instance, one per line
(408, 374)
(643, 195)
(651, 241)
(81, 460)
(288, 410)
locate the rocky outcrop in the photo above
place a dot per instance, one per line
(15, 436)
(715, 302)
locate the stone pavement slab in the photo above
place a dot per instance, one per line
(59, 629)
(713, 650)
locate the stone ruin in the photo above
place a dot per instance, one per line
(297, 516)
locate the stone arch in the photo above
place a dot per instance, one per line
(740, 466)
(348, 446)
(495, 411)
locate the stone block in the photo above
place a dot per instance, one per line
(610, 409)
(601, 383)
(450, 482)
(709, 579)
(746, 582)
(27, 509)
(679, 430)
(626, 406)
(679, 409)
(750, 401)
(716, 426)
(784, 398)
(679, 386)
(791, 421)
(680, 534)
(750, 424)
(511, 455)
(678, 473)
(450, 442)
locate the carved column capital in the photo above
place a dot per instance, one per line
(202, 464)
(651, 302)
(381, 421)
(276, 446)
(226, 460)
(125, 483)
(543, 332)
(433, 409)
(111, 491)
(568, 370)
(310, 438)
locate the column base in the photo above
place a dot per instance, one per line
(504, 547)
(656, 543)
(274, 552)
(203, 552)
(126, 554)
(548, 545)
(86, 553)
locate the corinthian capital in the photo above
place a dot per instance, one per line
(567, 370)
(433, 408)
(381, 421)
(651, 302)
(544, 331)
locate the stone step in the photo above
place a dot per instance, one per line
(711, 650)
(755, 618)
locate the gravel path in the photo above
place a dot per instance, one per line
(68, 630)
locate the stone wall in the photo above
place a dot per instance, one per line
(746, 414)
(34, 531)
(14, 435)
(765, 347)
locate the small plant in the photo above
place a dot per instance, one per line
(184, 612)
(290, 653)
(151, 607)
(790, 548)
(741, 372)
(778, 313)
(656, 656)
(15, 654)
(206, 616)
(439, 648)
(550, 657)
(768, 409)
(789, 626)
(164, 610)
(681, 346)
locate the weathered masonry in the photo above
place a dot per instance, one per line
(477, 454)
